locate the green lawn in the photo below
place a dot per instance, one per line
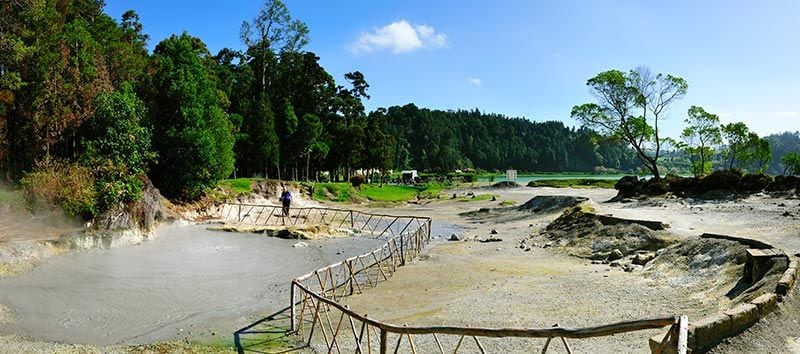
(237, 186)
(388, 193)
(335, 192)
(344, 192)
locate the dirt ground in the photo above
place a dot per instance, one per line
(498, 284)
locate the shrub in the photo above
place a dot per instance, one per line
(357, 180)
(68, 185)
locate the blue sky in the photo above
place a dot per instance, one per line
(532, 58)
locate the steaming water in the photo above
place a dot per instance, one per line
(185, 284)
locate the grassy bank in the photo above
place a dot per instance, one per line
(345, 192)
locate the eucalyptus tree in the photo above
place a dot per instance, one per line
(630, 107)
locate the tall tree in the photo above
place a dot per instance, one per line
(623, 103)
(272, 31)
(191, 133)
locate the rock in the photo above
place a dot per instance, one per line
(742, 317)
(615, 254)
(787, 214)
(528, 249)
(766, 303)
(597, 262)
(627, 267)
(454, 237)
(499, 249)
(522, 246)
(300, 244)
(548, 244)
(494, 198)
(643, 258)
(491, 239)
(493, 232)
(614, 264)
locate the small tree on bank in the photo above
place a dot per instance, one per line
(702, 134)
(629, 107)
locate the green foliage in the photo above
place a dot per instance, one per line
(781, 145)
(118, 147)
(191, 133)
(68, 185)
(442, 141)
(624, 102)
(508, 203)
(336, 192)
(574, 183)
(792, 163)
(736, 136)
(237, 186)
(700, 138)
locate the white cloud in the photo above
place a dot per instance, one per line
(475, 81)
(399, 37)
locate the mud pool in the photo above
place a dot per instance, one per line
(187, 284)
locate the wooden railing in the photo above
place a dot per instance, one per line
(320, 312)
(376, 225)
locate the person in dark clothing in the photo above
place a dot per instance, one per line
(286, 199)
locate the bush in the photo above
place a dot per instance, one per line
(70, 186)
(357, 180)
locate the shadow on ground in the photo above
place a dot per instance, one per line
(270, 334)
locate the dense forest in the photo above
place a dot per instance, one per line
(88, 114)
(442, 141)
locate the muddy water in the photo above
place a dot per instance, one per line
(189, 283)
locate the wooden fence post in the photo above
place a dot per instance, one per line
(383, 341)
(239, 214)
(429, 231)
(352, 221)
(683, 334)
(292, 294)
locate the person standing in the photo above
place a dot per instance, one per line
(286, 199)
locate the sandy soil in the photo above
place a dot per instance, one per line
(500, 285)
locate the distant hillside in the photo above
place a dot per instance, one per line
(781, 145)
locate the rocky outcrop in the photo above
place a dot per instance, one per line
(583, 233)
(143, 214)
(550, 203)
(713, 186)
